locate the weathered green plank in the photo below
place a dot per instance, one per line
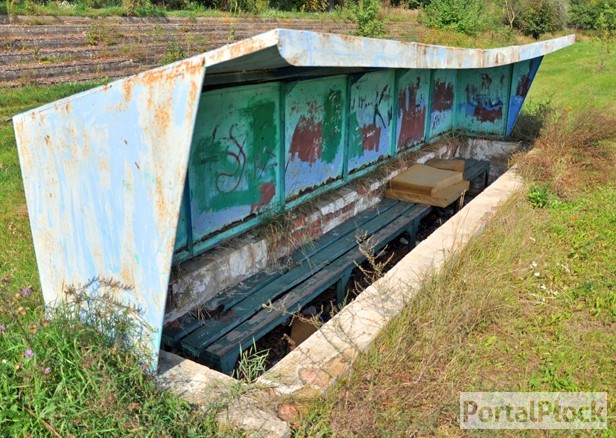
(212, 330)
(178, 329)
(235, 295)
(225, 351)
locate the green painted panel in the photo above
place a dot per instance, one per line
(413, 94)
(483, 98)
(442, 105)
(234, 157)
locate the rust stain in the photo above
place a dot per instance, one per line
(442, 97)
(307, 141)
(412, 117)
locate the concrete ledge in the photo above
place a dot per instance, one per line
(205, 388)
(322, 358)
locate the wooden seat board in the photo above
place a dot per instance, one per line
(174, 332)
(212, 330)
(235, 295)
(224, 352)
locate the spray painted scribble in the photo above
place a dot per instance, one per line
(371, 117)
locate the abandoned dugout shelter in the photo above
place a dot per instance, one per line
(128, 179)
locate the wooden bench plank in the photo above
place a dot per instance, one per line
(236, 294)
(175, 331)
(212, 330)
(224, 353)
(178, 329)
(475, 168)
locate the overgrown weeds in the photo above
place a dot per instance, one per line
(62, 376)
(573, 150)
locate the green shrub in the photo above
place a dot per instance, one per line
(593, 14)
(366, 15)
(464, 16)
(536, 17)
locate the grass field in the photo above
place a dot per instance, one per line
(487, 323)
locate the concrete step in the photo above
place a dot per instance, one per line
(250, 26)
(111, 37)
(81, 77)
(34, 72)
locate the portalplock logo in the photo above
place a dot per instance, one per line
(533, 410)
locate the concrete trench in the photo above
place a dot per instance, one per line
(314, 366)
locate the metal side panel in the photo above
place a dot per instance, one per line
(523, 75)
(370, 118)
(234, 159)
(442, 105)
(483, 99)
(103, 174)
(315, 115)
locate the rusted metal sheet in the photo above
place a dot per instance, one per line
(167, 164)
(103, 174)
(314, 49)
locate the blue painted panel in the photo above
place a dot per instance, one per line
(370, 118)
(103, 173)
(523, 75)
(442, 105)
(315, 115)
(413, 94)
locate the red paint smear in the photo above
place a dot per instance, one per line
(525, 81)
(412, 120)
(268, 190)
(443, 96)
(483, 114)
(371, 134)
(307, 141)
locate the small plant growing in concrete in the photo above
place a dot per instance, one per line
(175, 52)
(252, 364)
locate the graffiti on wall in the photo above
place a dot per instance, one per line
(485, 95)
(255, 148)
(315, 111)
(234, 157)
(441, 115)
(371, 114)
(412, 102)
